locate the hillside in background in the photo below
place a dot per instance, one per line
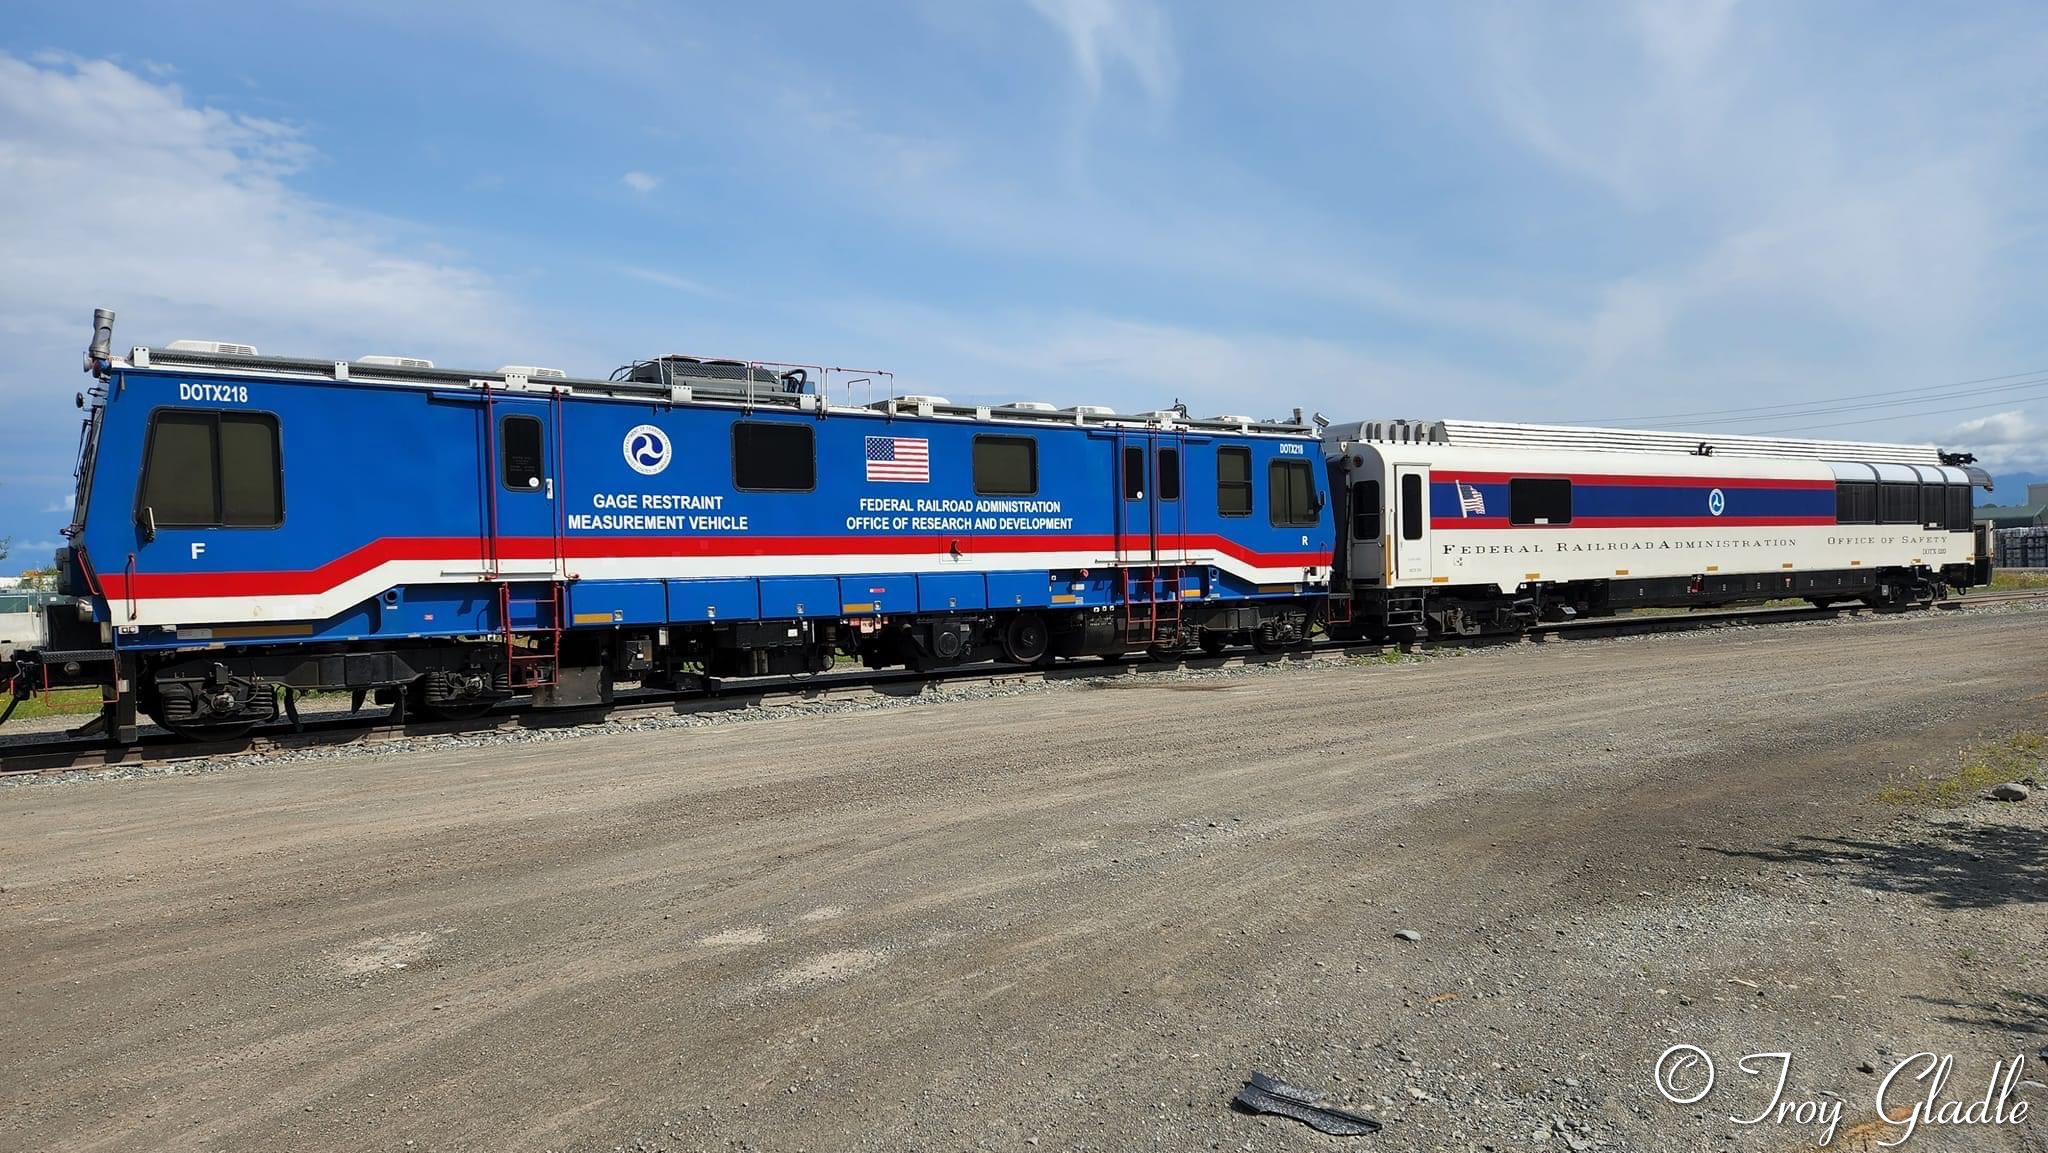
(2012, 487)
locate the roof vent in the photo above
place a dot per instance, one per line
(933, 401)
(1030, 406)
(396, 361)
(213, 347)
(532, 372)
(1090, 410)
(1233, 418)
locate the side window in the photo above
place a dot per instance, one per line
(1005, 465)
(179, 485)
(519, 447)
(1365, 510)
(1412, 510)
(773, 457)
(1169, 474)
(1900, 503)
(1855, 503)
(250, 495)
(1234, 481)
(1134, 472)
(1960, 508)
(213, 470)
(1933, 505)
(1290, 493)
(1539, 501)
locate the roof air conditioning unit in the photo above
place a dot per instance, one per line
(1030, 406)
(213, 347)
(396, 361)
(532, 372)
(921, 401)
(1233, 418)
(1090, 410)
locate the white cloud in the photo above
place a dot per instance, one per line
(2002, 440)
(120, 192)
(1101, 33)
(640, 182)
(668, 280)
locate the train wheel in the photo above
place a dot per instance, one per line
(1026, 641)
(418, 707)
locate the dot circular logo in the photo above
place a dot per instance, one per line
(1717, 502)
(647, 449)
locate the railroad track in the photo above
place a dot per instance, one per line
(65, 752)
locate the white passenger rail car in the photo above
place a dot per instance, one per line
(1461, 528)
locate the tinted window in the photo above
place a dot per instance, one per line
(179, 486)
(1234, 481)
(519, 447)
(1959, 508)
(209, 469)
(250, 496)
(1532, 501)
(1856, 503)
(1365, 510)
(1169, 474)
(1005, 465)
(773, 457)
(1412, 512)
(1900, 503)
(1933, 505)
(1134, 472)
(1291, 492)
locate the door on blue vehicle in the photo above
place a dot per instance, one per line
(525, 516)
(1137, 527)
(1151, 523)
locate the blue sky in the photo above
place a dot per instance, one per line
(1537, 212)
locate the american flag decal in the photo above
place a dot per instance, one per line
(900, 458)
(1471, 502)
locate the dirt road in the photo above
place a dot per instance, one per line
(1071, 918)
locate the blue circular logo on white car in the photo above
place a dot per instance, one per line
(647, 449)
(1717, 502)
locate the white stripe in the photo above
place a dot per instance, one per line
(321, 606)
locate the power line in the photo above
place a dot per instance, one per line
(1900, 416)
(1828, 410)
(1866, 396)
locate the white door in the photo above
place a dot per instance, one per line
(1410, 530)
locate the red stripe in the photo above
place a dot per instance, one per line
(1445, 476)
(1702, 521)
(158, 586)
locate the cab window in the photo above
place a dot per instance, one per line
(1291, 494)
(1234, 481)
(212, 470)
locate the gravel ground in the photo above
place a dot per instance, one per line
(1070, 915)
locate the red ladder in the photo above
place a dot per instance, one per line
(538, 665)
(1155, 616)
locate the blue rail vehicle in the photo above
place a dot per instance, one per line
(250, 527)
